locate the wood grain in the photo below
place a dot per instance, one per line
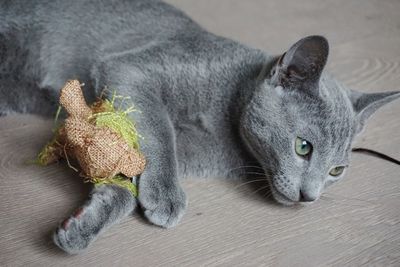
(356, 223)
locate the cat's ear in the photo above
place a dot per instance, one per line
(301, 66)
(364, 105)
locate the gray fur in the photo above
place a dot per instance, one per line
(107, 205)
(208, 104)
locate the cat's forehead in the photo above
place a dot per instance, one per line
(328, 118)
(332, 104)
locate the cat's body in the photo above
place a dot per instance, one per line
(208, 104)
(194, 76)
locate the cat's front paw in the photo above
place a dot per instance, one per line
(72, 235)
(163, 206)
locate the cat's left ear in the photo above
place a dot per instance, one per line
(364, 105)
(301, 66)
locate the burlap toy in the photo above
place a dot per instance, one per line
(100, 138)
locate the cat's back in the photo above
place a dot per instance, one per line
(75, 35)
(99, 20)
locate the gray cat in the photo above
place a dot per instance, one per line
(208, 104)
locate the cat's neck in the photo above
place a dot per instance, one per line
(212, 114)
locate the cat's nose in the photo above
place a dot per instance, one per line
(304, 197)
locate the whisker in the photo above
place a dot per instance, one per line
(336, 200)
(259, 189)
(247, 166)
(268, 194)
(249, 182)
(322, 197)
(243, 167)
(258, 173)
(351, 198)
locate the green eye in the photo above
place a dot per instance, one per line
(302, 147)
(336, 171)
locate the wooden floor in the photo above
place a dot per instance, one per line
(357, 222)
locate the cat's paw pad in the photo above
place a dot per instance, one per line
(165, 209)
(76, 215)
(73, 235)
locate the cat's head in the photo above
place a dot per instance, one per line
(300, 123)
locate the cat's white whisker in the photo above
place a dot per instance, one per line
(258, 173)
(249, 182)
(350, 198)
(259, 189)
(240, 168)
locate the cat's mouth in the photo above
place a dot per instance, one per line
(281, 198)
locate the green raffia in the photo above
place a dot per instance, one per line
(117, 120)
(57, 114)
(116, 180)
(44, 154)
(50, 152)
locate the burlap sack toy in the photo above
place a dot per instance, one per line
(100, 138)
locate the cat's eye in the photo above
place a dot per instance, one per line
(337, 171)
(303, 147)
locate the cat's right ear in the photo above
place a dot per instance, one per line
(301, 66)
(365, 104)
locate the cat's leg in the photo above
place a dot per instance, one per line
(107, 205)
(160, 194)
(27, 99)
(22, 89)
(19, 92)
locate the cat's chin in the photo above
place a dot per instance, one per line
(281, 199)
